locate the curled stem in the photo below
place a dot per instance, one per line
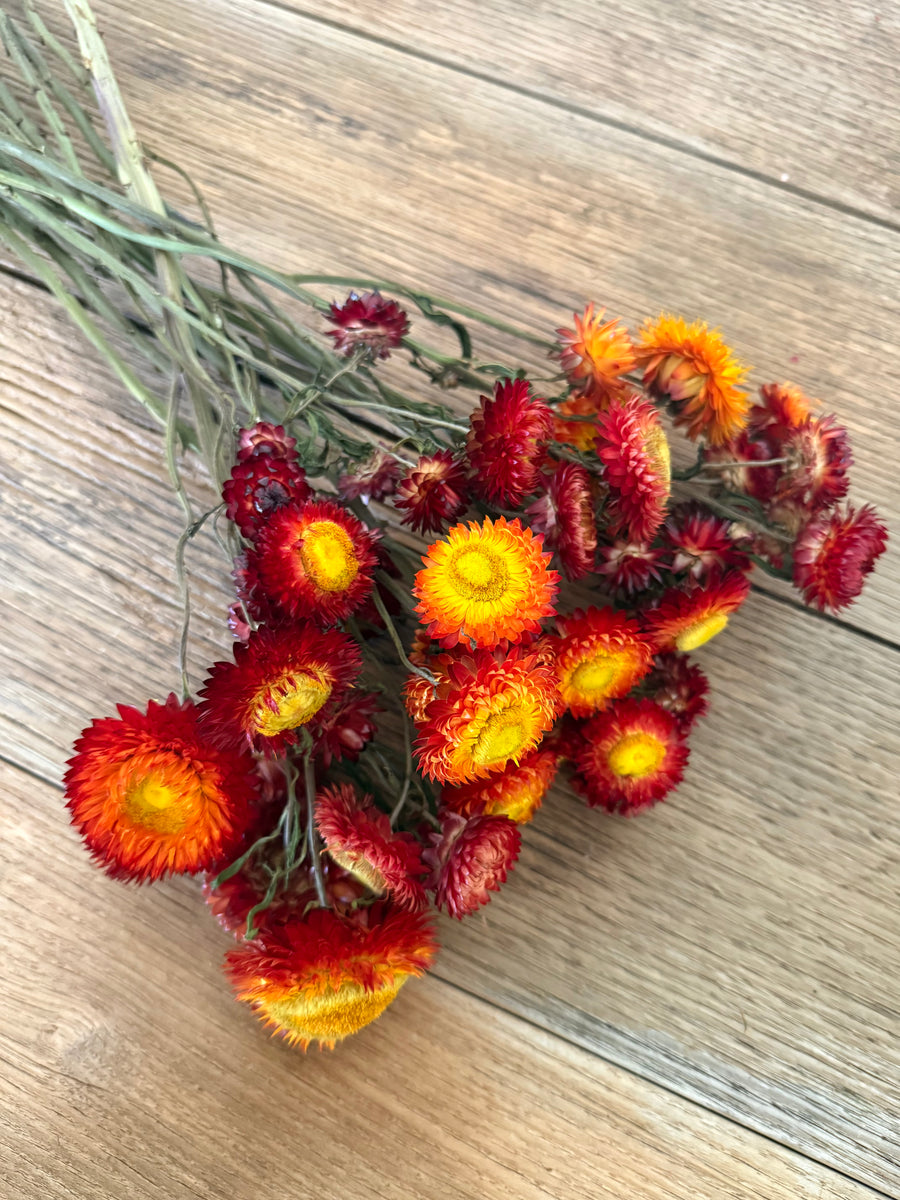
(395, 638)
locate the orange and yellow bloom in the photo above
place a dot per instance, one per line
(600, 655)
(485, 582)
(515, 792)
(596, 354)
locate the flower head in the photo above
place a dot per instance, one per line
(359, 838)
(633, 448)
(265, 439)
(485, 582)
(681, 687)
(344, 726)
(596, 354)
(834, 554)
(506, 441)
(687, 619)
(818, 477)
(368, 322)
(371, 479)
(260, 485)
(515, 792)
(581, 434)
(700, 543)
(488, 709)
(784, 407)
(631, 756)
(565, 516)
(434, 492)
(469, 859)
(326, 976)
(314, 560)
(280, 679)
(600, 655)
(630, 566)
(692, 366)
(151, 797)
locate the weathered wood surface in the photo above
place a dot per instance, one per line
(320, 150)
(804, 95)
(127, 1071)
(739, 945)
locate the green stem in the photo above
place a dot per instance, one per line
(309, 780)
(395, 638)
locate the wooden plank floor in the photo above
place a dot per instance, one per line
(701, 1003)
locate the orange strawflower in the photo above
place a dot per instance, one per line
(359, 838)
(600, 655)
(686, 620)
(515, 792)
(488, 709)
(151, 797)
(692, 366)
(279, 681)
(596, 354)
(581, 434)
(630, 756)
(326, 976)
(485, 582)
(784, 407)
(633, 448)
(313, 559)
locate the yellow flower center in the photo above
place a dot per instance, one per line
(594, 676)
(155, 804)
(328, 556)
(636, 755)
(503, 735)
(478, 573)
(657, 447)
(701, 631)
(332, 1014)
(290, 702)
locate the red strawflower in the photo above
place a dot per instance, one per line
(681, 687)
(344, 727)
(700, 543)
(359, 838)
(314, 560)
(515, 792)
(630, 566)
(258, 487)
(686, 619)
(263, 438)
(279, 680)
(631, 756)
(368, 322)
(822, 458)
(565, 516)
(600, 654)
(434, 492)
(784, 407)
(834, 554)
(328, 975)
(372, 479)
(633, 448)
(505, 446)
(596, 354)
(151, 797)
(469, 859)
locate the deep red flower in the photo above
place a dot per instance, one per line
(834, 554)
(314, 560)
(434, 492)
(630, 566)
(152, 797)
(372, 479)
(699, 542)
(263, 438)
(368, 322)
(279, 680)
(687, 619)
(506, 442)
(631, 756)
(680, 686)
(757, 481)
(359, 838)
(344, 727)
(818, 476)
(565, 516)
(633, 448)
(258, 487)
(469, 859)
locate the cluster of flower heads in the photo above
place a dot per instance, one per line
(320, 857)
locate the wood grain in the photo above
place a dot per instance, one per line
(802, 93)
(127, 1071)
(319, 150)
(738, 945)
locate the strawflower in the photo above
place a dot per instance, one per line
(633, 448)
(368, 323)
(433, 493)
(505, 446)
(834, 554)
(469, 859)
(686, 619)
(565, 516)
(600, 654)
(515, 792)
(595, 355)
